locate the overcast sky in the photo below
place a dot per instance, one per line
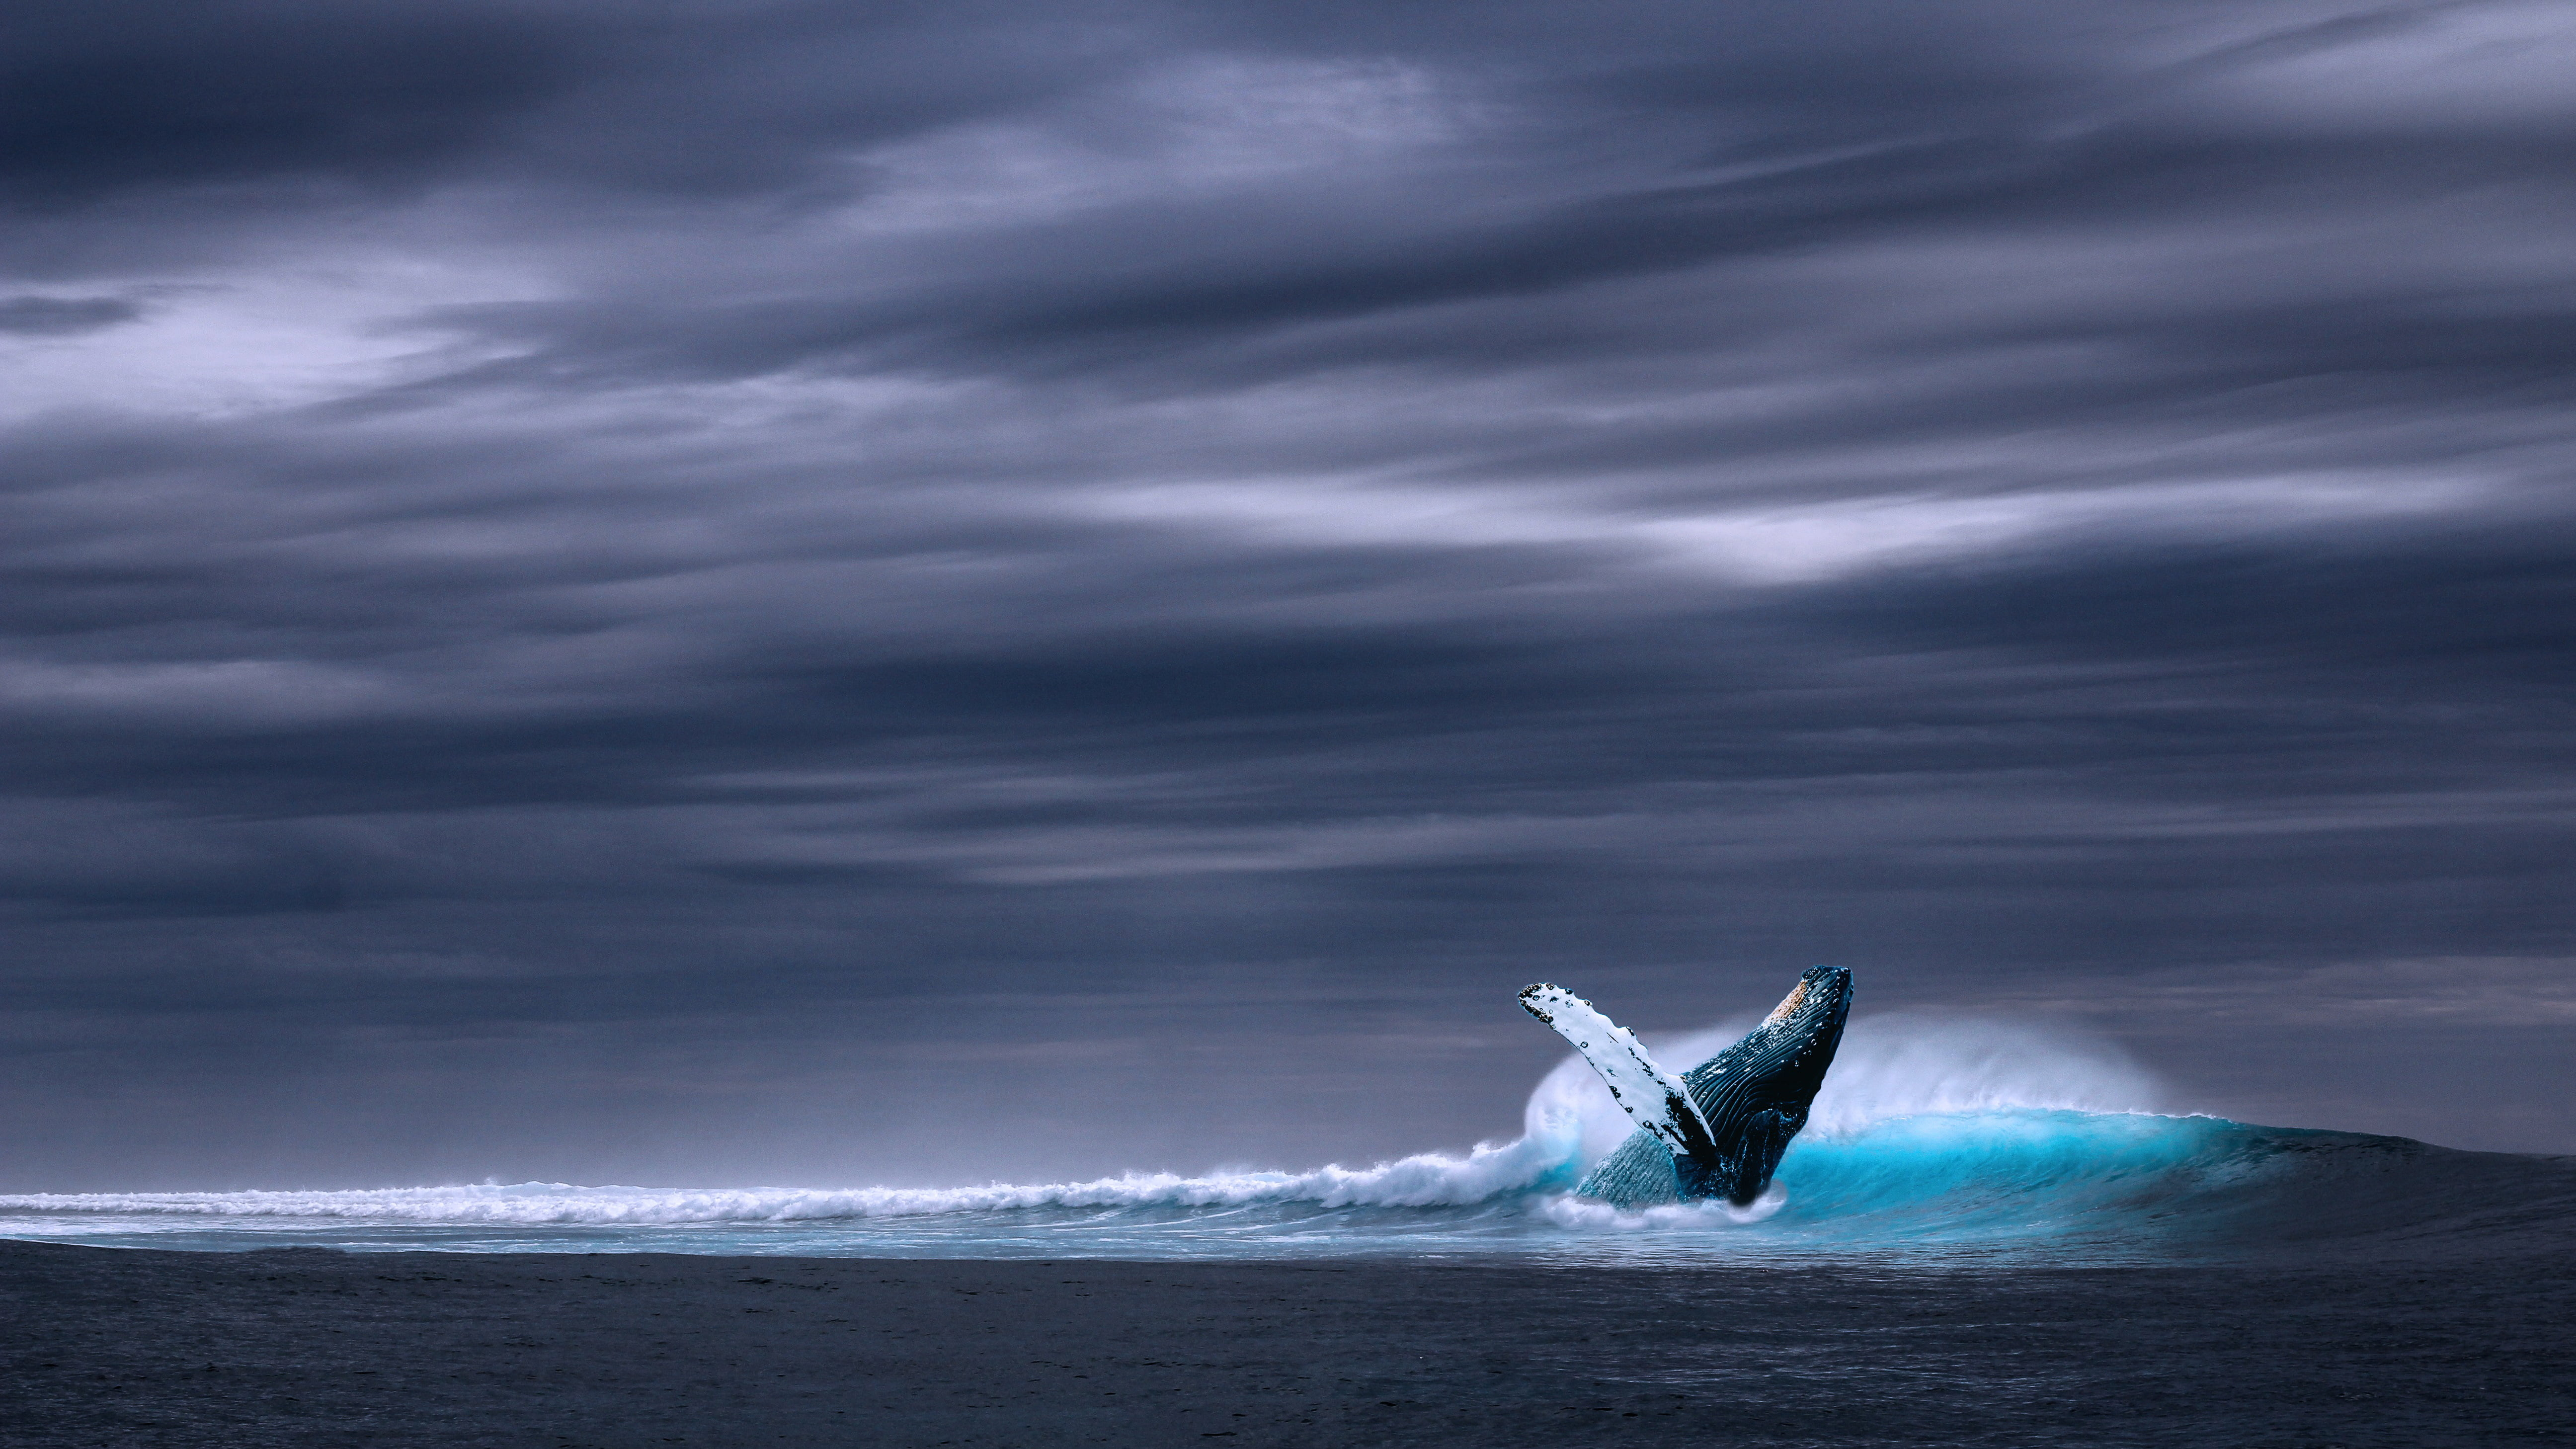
(845, 593)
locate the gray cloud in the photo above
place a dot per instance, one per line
(766, 557)
(38, 316)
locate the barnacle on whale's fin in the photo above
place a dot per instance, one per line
(1749, 1099)
(1655, 1097)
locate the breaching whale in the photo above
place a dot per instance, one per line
(1717, 1130)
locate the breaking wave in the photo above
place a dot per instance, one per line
(1932, 1134)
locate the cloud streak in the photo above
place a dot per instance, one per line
(575, 541)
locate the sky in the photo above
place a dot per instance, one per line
(825, 593)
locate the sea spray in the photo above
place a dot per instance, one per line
(1908, 1064)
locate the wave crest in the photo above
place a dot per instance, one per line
(1425, 1180)
(1890, 1067)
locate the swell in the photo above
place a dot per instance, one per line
(1937, 1134)
(2064, 1180)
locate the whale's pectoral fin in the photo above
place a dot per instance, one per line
(1655, 1097)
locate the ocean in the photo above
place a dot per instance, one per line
(1985, 1237)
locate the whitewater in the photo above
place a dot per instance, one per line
(1933, 1137)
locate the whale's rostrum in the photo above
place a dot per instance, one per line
(1717, 1130)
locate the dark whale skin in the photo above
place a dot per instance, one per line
(1754, 1095)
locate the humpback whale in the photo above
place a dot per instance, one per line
(1717, 1130)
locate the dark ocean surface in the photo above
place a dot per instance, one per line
(310, 1347)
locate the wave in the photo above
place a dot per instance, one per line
(2056, 1178)
(1932, 1134)
(1890, 1067)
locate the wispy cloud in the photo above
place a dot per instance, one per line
(717, 519)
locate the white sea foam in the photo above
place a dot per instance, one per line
(1593, 1215)
(1426, 1180)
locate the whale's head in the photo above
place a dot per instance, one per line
(1756, 1093)
(1798, 1039)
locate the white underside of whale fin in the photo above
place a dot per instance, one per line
(1648, 1093)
